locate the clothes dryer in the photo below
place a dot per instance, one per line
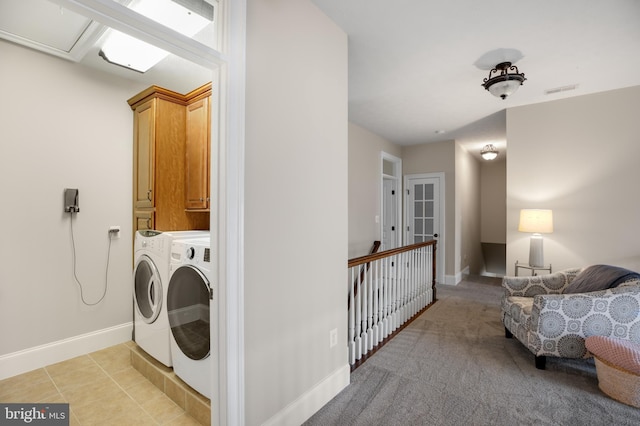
(188, 304)
(152, 250)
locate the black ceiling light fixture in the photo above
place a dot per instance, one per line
(501, 82)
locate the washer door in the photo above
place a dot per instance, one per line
(188, 309)
(147, 289)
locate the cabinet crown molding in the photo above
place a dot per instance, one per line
(169, 95)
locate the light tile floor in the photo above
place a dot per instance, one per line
(102, 388)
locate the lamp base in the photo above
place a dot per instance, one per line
(536, 255)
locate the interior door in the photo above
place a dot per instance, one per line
(390, 223)
(423, 207)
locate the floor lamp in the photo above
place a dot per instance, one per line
(539, 222)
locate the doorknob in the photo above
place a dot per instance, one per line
(435, 235)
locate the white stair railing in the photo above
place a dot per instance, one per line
(386, 290)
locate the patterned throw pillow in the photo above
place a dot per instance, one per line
(622, 353)
(599, 277)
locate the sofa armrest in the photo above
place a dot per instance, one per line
(539, 284)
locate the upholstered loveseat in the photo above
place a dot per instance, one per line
(552, 316)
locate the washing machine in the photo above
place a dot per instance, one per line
(188, 302)
(152, 250)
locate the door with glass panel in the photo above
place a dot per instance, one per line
(423, 205)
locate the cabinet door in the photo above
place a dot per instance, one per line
(197, 155)
(144, 125)
(142, 219)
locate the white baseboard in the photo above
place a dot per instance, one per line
(451, 279)
(40, 356)
(313, 400)
(455, 279)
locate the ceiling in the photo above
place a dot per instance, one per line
(416, 66)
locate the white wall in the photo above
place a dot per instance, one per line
(493, 215)
(493, 198)
(365, 149)
(578, 157)
(469, 251)
(61, 126)
(296, 211)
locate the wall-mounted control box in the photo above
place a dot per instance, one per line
(71, 200)
(114, 231)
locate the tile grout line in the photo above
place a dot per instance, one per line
(55, 385)
(124, 390)
(184, 412)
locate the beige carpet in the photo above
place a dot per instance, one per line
(453, 366)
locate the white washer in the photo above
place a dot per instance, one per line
(152, 250)
(188, 302)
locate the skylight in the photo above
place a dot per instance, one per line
(187, 17)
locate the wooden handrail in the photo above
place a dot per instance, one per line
(380, 255)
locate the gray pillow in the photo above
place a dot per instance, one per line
(599, 277)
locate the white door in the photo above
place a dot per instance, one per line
(391, 201)
(390, 223)
(423, 209)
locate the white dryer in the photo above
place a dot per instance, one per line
(188, 303)
(152, 250)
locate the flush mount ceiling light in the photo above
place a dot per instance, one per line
(187, 17)
(501, 82)
(489, 152)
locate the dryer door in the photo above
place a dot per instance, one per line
(147, 289)
(188, 309)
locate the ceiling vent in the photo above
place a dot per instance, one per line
(561, 89)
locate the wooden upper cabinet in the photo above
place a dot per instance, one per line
(198, 149)
(197, 155)
(171, 159)
(144, 154)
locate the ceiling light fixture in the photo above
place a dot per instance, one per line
(489, 152)
(185, 17)
(503, 83)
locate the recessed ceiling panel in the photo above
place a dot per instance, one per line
(45, 26)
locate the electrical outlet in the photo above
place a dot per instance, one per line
(114, 231)
(333, 337)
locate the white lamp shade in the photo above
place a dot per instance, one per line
(538, 221)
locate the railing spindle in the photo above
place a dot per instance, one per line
(352, 320)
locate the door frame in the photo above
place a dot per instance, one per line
(396, 175)
(440, 253)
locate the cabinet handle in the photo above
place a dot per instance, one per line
(149, 223)
(149, 195)
(201, 199)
